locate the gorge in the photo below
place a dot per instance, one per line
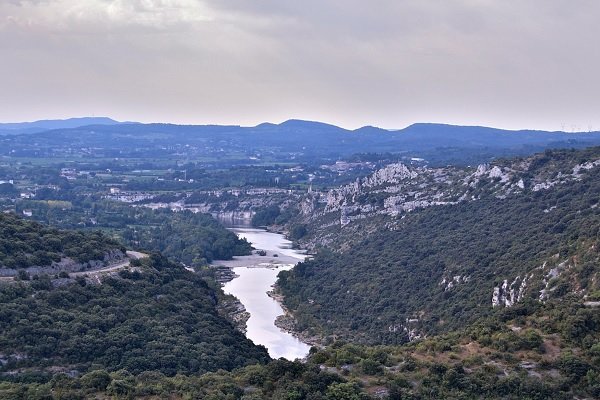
(255, 276)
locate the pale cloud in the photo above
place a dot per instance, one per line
(97, 16)
(510, 63)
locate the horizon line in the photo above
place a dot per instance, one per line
(131, 122)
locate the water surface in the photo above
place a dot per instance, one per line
(251, 287)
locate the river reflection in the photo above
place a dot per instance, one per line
(251, 287)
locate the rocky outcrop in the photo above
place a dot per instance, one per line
(562, 178)
(398, 189)
(393, 190)
(233, 310)
(584, 167)
(508, 294)
(550, 276)
(449, 282)
(233, 217)
(389, 175)
(410, 327)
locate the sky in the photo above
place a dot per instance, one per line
(505, 63)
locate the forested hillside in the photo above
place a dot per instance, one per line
(192, 238)
(443, 267)
(494, 296)
(25, 243)
(155, 317)
(528, 352)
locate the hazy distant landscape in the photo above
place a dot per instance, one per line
(293, 141)
(276, 200)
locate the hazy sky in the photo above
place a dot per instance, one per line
(504, 63)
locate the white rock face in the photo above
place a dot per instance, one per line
(450, 282)
(549, 276)
(496, 297)
(585, 166)
(495, 172)
(563, 178)
(389, 175)
(307, 206)
(398, 189)
(395, 205)
(543, 185)
(507, 295)
(482, 169)
(485, 171)
(393, 173)
(410, 327)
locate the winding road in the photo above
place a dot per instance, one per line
(131, 255)
(96, 273)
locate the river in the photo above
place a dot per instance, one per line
(255, 277)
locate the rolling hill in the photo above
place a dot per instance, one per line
(290, 141)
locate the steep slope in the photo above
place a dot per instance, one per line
(27, 245)
(153, 316)
(532, 351)
(444, 265)
(397, 189)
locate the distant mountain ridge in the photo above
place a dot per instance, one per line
(49, 124)
(290, 141)
(290, 124)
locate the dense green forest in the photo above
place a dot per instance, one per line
(272, 215)
(26, 243)
(156, 317)
(370, 291)
(153, 331)
(192, 238)
(522, 353)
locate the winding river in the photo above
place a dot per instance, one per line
(255, 277)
